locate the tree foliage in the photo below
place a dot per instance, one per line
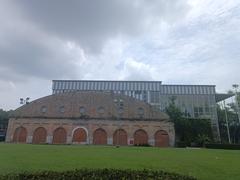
(4, 116)
(233, 123)
(189, 130)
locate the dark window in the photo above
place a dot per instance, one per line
(140, 112)
(61, 109)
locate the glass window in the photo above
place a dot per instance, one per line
(195, 112)
(82, 110)
(61, 109)
(120, 110)
(101, 110)
(43, 109)
(140, 112)
(200, 110)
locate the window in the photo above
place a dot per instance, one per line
(82, 110)
(140, 112)
(43, 109)
(61, 109)
(101, 110)
(120, 110)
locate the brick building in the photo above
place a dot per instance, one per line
(85, 117)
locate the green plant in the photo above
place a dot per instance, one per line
(98, 174)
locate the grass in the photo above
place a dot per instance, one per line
(200, 163)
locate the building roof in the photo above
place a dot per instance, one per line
(221, 97)
(89, 104)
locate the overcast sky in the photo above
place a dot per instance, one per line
(174, 41)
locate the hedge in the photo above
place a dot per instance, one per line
(223, 146)
(97, 174)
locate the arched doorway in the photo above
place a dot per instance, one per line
(39, 136)
(20, 135)
(79, 136)
(99, 137)
(161, 139)
(120, 137)
(59, 136)
(140, 137)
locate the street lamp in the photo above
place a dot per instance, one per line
(235, 86)
(119, 104)
(24, 101)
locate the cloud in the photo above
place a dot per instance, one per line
(35, 35)
(91, 23)
(174, 41)
(134, 70)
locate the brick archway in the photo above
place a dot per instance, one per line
(161, 139)
(20, 135)
(39, 136)
(140, 137)
(100, 137)
(79, 136)
(59, 136)
(120, 137)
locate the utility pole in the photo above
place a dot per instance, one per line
(235, 86)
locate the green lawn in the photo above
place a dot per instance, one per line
(201, 163)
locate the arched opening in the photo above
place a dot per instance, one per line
(20, 135)
(140, 137)
(59, 136)
(99, 137)
(161, 139)
(39, 136)
(120, 137)
(79, 136)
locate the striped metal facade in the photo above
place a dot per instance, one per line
(60, 86)
(106, 85)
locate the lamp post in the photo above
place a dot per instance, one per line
(119, 105)
(24, 101)
(235, 86)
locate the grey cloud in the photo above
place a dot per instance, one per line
(30, 57)
(91, 23)
(33, 34)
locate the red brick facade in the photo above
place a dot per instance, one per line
(89, 118)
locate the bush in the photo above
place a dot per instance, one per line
(143, 145)
(181, 144)
(2, 138)
(223, 146)
(96, 174)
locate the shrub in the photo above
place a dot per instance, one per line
(95, 174)
(223, 146)
(143, 145)
(181, 144)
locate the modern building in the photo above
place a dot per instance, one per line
(195, 101)
(88, 117)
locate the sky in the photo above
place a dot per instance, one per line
(173, 41)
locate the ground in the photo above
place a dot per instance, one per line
(200, 163)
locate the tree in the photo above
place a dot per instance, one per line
(233, 121)
(4, 116)
(176, 116)
(189, 130)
